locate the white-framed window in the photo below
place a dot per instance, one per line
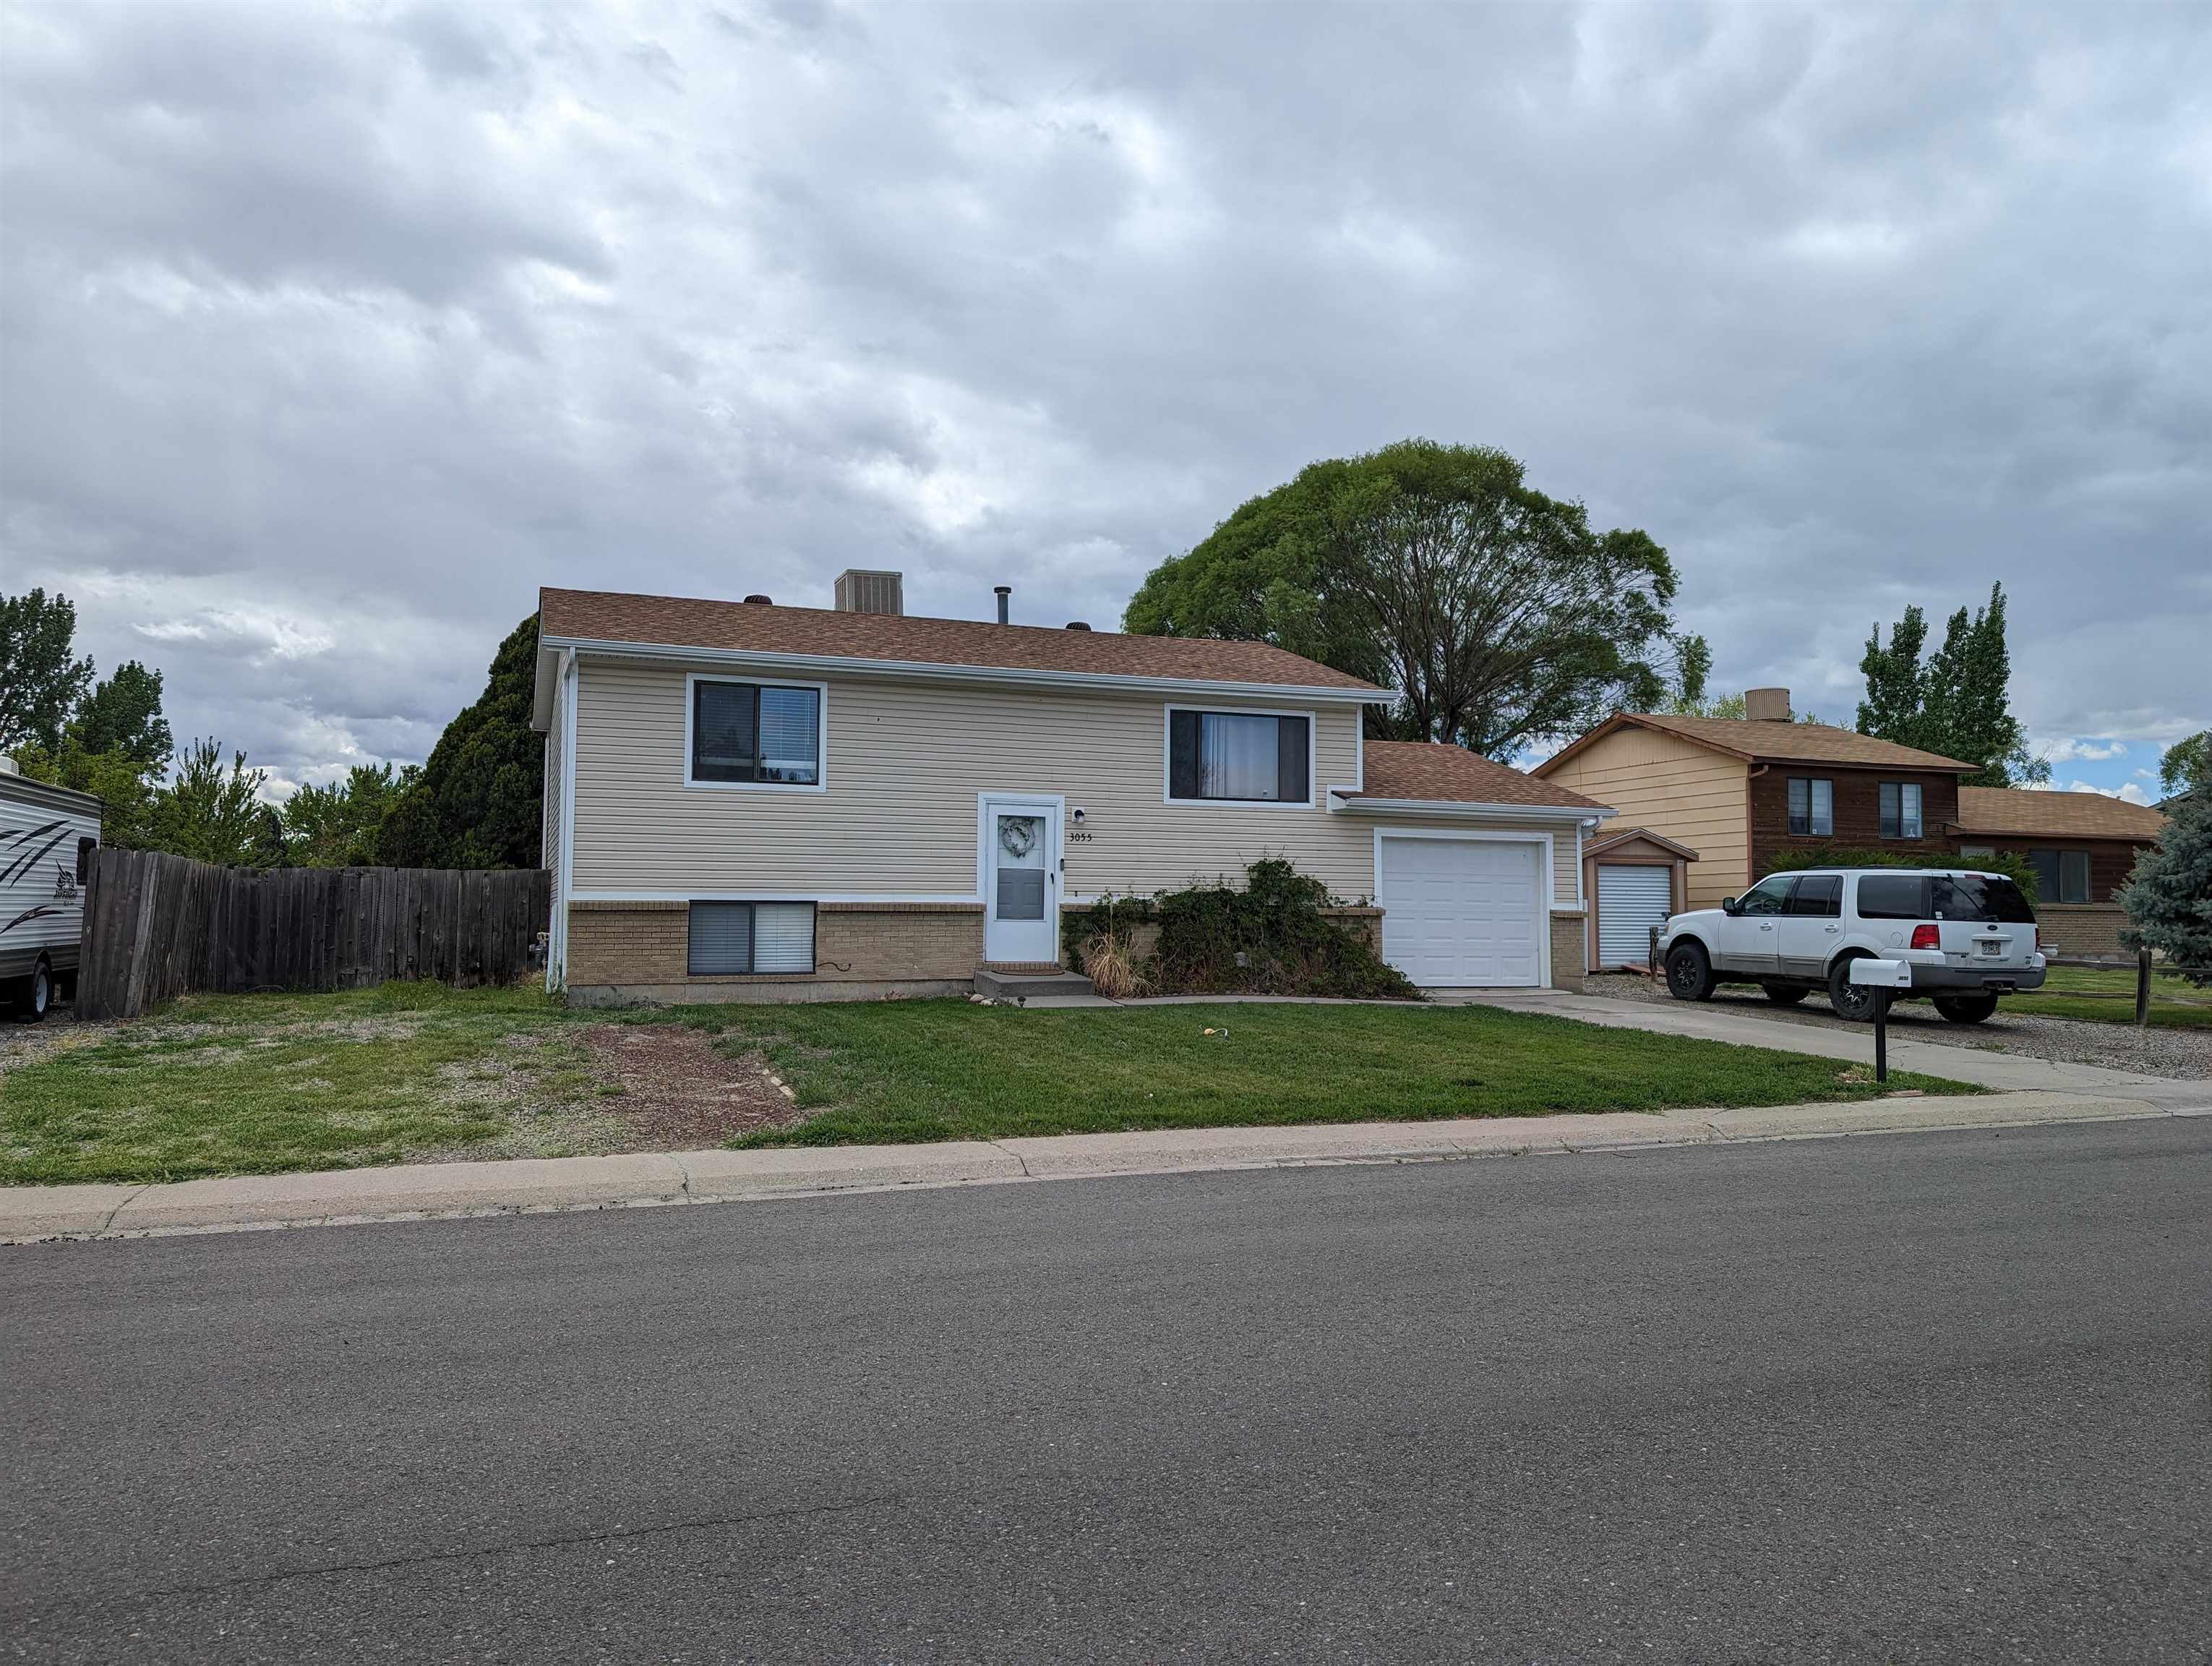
(754, 735)
(1900, 809)
(733, 939)
(1812, 807)
(1232, 756)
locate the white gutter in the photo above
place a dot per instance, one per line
(849, 665)
(1451, 809)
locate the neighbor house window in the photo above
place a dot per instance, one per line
(1812, 807)
(2060, 876)
(1239, 756)
(756, 733)
(1900, 809)
(729, 939)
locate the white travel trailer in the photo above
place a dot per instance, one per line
(47, 836)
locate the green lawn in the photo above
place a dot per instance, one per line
(262, 1084)
(2109, 997)
(948, 1070)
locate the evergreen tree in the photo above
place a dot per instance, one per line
(2169, 897)
(216, 815)
(479, 800)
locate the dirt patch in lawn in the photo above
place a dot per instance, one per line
(676, 1092)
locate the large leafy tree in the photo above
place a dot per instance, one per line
(1497, 614)
(41, 679)
(2169, 897)
(123, 715)
(2186, 766)
(338, 825)
(479, 800)
(1959, 701)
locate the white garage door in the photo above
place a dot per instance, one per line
(1630, 902)
(1463, 913)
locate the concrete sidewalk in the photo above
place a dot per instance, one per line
(422, 1191)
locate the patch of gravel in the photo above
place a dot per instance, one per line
(22, 1042)
(678, 1091)
(2185, 1054)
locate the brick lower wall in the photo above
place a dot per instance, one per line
(2080, 927)
(640, 951)
(1568, 963)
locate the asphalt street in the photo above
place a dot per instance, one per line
(1904, 1398)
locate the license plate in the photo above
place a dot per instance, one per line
(1990, 947)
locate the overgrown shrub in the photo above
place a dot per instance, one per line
(1111, 966)
(2011, 865)
(1270, 936)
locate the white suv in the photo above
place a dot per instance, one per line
(1968, 937)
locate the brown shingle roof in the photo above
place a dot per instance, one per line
(666, 621)
(2015, 811)
(1436, 773)
(1783, 742)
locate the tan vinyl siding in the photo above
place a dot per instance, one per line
(905, 762)
(1677, 788)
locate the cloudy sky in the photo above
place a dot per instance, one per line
(330, 333)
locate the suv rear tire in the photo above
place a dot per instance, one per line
(1966, 1009)
(1689, 973)
(1854, 1002)
(1782, 995)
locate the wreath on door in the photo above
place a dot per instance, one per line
(1018, 835)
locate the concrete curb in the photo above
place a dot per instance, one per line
(449, 1190)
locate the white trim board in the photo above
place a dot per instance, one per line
(687, 896)
(850, 666)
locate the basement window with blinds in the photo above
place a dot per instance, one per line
(731, 940)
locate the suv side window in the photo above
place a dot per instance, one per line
(1769, 896)
(1819, 895)
(1892, 896)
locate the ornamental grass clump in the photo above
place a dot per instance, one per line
(1270, 936)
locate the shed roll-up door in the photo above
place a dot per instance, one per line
(1631, 900)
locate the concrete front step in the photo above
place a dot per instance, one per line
(1026, 985)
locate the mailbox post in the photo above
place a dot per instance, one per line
(1884, 977)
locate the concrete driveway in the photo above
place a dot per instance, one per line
(2007, 1072)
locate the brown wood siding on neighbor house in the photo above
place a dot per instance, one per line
(1674, 788)
(1858, 813)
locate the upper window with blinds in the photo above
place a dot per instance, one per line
(756, 734)
(1241, 758)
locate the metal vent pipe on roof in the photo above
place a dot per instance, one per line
(1002, 592)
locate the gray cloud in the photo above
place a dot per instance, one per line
(329, 336)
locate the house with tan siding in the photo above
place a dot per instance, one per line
(749, 800)
(1742, 791)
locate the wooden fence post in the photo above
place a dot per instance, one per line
(2143, 987)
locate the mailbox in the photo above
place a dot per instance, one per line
(1883, 974)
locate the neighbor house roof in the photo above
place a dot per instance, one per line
(2017, 811)
(1757, 742)
(576, 618)
(1430, 772)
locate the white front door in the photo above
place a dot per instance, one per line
(1459, 912)
(1021, 879)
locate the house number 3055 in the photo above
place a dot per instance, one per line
(1078, 837)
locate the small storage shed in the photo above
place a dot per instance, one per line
(1634, 879)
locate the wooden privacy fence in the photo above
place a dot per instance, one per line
(157, 926)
